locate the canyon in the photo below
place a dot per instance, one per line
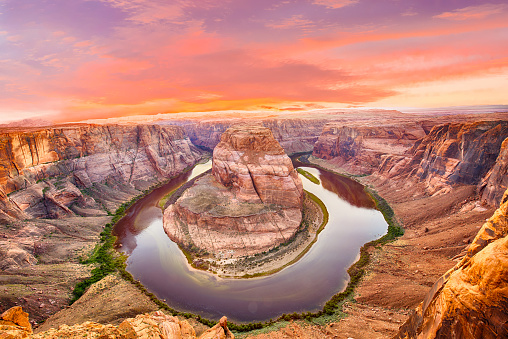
(442, 175)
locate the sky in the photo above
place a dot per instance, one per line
(69, 60)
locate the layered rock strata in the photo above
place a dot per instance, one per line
(249, 160)
(14, 324)
(454, 154)
(495, 182)
(359, 148)
(450, 154)
(250, 203)
(293, 134)
(46, 171)
(471, 299)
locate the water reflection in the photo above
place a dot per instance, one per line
(304, 286)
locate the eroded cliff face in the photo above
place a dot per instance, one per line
(48, 172)
(250, 203)
(359, 148)
(250, 161)
(470, 300)
(495, 182)
(293, 134)
(450, 154)
(454, 154)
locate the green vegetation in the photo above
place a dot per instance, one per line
(165, 199)
(308, 175)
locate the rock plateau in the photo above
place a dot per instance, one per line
(250, 203)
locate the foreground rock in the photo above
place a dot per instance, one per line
(251, 203)
(470, 300)
(14, 324)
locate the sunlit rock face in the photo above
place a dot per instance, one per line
(470, 300)
(250, 203)
(496, 181)
(250, 161)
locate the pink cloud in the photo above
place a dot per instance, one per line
(296, 21)
(335, 3)
(473, 12)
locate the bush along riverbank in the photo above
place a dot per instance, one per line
(109, 261)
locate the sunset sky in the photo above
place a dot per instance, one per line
(70, 60)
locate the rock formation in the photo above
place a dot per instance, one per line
(254, 165)
(359, 148)
(495, 182)
(14, 324)
(252, 201)
(46, 170)
(293, 134)
(470, 300)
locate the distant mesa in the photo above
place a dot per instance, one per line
(250, 203)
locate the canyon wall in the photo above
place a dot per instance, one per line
(359, 147)
(450, 154)
(471, 299)
(45, 172)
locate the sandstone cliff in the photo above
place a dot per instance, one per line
(254, 165)
(251, 203)
(454, 154)
(14, 324)
(294, 134)
(495, 182)
(46, 171)
(359, 148)
(470, 300)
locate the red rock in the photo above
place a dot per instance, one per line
(471, 300)
(250, 204)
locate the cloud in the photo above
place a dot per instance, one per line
(473, 12)
(335, 3)
(296, 21)
(409, 12)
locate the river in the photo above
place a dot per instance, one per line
(161, 267)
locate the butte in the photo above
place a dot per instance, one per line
(250, 203)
